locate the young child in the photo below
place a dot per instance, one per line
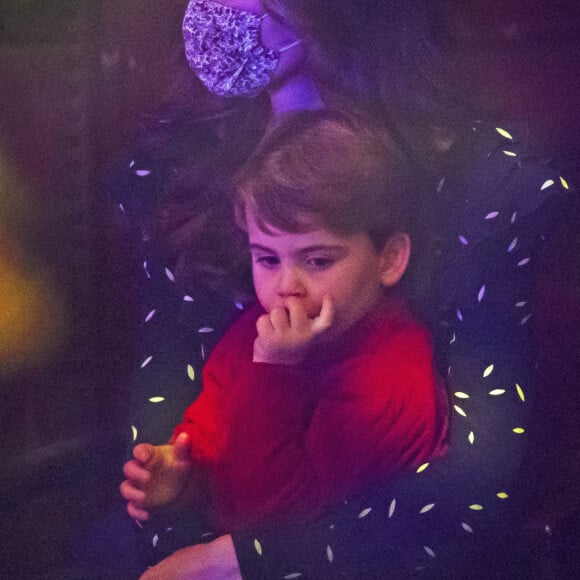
(327, 385)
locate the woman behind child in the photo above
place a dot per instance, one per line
(327, 386)
(493, 210)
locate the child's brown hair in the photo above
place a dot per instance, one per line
(328, 169)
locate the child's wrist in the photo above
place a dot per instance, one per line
(278, 360)
(278, 356)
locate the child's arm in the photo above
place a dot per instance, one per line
(159, 476)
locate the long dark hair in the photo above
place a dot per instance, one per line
(200, 141)
(389, 57)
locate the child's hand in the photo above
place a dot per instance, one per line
(157, 476)
(284, 334)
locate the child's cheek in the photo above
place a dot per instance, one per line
(315, 308)
(265, 290)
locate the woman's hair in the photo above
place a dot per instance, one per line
(326, 169)
(388, 57)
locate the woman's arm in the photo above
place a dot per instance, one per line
(213, 561)
(426, 519)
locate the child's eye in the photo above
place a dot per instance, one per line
(320, 263)
(267, 261)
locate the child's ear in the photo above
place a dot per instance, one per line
(395, 258)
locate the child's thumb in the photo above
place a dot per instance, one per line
(182, 448)
(143, 452)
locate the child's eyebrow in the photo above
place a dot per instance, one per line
(303, 251)
(321, 247)
(261, 248)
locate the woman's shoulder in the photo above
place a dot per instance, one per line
(136, 177)
(495, 181)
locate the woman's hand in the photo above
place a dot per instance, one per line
(285, 334)
(214, 561)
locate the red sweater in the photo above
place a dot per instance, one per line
(280, 442)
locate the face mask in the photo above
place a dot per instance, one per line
(224, 48)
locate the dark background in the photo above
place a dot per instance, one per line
(76, 78)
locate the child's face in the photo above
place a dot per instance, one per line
(310, 265)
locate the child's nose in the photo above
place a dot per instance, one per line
(289, 283)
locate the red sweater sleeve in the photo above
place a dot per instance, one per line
(377, 415)
(206, 420)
